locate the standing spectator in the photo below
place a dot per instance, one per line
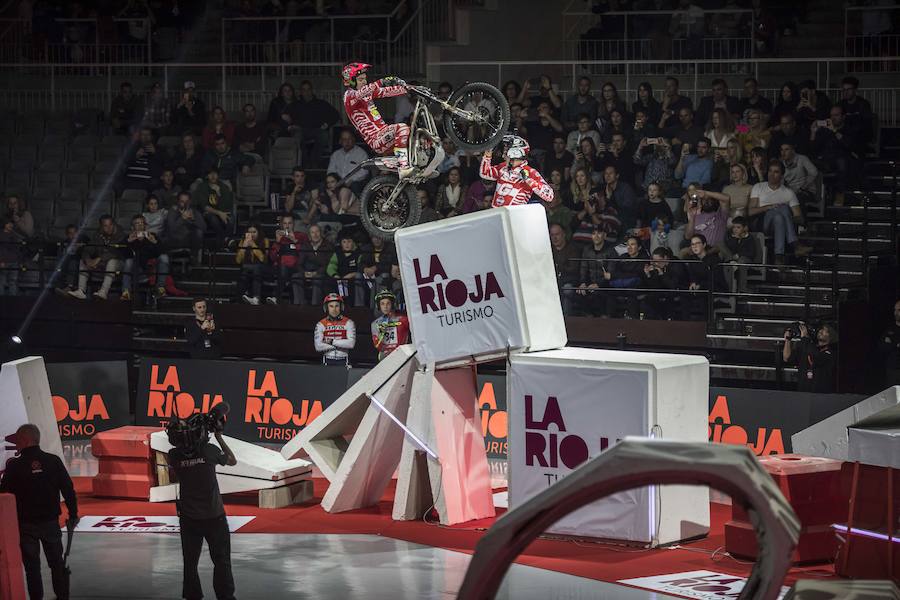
(594, 259)
(124, 110)
(312, 118)
(800, 174)
(251, 135)
(738, 192)
(840, 147)
(558, 157)
(204, 340)
(218, 125)
(226, 160)
(190, 114)
(573, 142)
(285, 255)
(451, 195)
(143, 163)
(157, 111)
(188, 162)
(215, 200)
(888, 350)
(656, 158)
(582, 102)
(17, 212)
(780, 209)
(185, 227)
(278, 118)
(143, 247)
(37, 479)
(757, 135)
(753, 99)
(10, 257)
(694, 168)
(673, 103)
(565, 260)
(251, 257)
(167, 193)
(620, 195)
(721, 130)
(813, 357)
(103, 256)
(857, 110)
(787, 102)
(390, 330)
(647, 103)
(707, 213)
(335, 335)
(154, 216)
(787, 132)
(345, 270)
(704, 269)
(345, 159)
(316, 252)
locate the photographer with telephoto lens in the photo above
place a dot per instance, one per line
(201, 514)
(812, 355)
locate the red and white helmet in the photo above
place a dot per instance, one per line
(517, 148)
(350, 72)
(332, 298)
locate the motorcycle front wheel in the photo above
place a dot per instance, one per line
(382, 216)
(492, 124)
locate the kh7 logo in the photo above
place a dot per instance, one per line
(436, 295)
(722, 431)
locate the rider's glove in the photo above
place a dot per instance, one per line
(391, 80)
(524, 174)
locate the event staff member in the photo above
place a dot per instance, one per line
(204, 340)
(888, 349)
(814, 359)
(201, 514)
(390, 330)
(37, 478)
(335, 335)
(516, 181)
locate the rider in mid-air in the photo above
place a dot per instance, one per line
(516, 181)
(360, 107)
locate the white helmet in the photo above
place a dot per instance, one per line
(517, 147)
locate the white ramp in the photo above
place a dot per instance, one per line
(25, 398)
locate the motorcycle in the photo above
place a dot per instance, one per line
(475, 118)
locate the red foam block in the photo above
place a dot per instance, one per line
(130, 441)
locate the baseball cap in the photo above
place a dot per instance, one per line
(189, 85)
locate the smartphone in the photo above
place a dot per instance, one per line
(652, 141)
(822, 123)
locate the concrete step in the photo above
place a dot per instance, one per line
(795, 310)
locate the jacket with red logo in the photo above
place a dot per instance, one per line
(515, 184)
(335, 338)
(287, 251)
(360, 107)
(389, 332)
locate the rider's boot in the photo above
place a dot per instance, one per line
(403, 168)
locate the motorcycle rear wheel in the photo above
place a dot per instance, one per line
(383, 220)
(476, 138)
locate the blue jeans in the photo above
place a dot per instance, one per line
(778, 223)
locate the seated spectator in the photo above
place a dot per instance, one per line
(517, 116)
(558, 186)
(840, 147)
(718, 98)
(70, 247)
(618, 157)
(573, 142)
(252, 257)
(218, 125)
(10, 258)
(672, 104)
(215, 200)
(451, 156)
(721, 130)
(559, 157)
(661, 274)
(582, 102)
(643, 127)
(542, 129)
(545, 93)
(185, 227)
(226, 160)
(125, 110)
(787, 102)
(759, 166)
(204, 340)
(17, 212)
(616, 122)
(595, 211)
(703, 269)
(787, 131)
(167, 193)
(143, 163)
(757, 134)
(686, 132)
(104, 256)
(565, 260)
(451, 195)
(376, 263)
(627, 272)
(620, 195)
(190, 114)
(311, 119)
(577, 192)
(594, 262)
(188, 162)
(656, 158)
(780, 209)
(288, 261)
(278, 119)
(143, 247)
(752, 99)
(587, 159)
(344, 269)
(479, 196)
(513, 92)
(157, 110)
(739, 245)
(694, 167)
(317, 252)
(154, 216)
(707, 213)
(298, 199)
(653, 207)
(251, 135)
(648, 104)
(813, 106)
(345, 159)
(322, 199)
(335, 335)
(428, 214)
(724, 161)
(391, 329)
(800, 174)
(738, 192)
(610, 100)
(857, 110)
(558, 214)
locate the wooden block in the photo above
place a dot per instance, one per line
(162, 469)
(286, 495)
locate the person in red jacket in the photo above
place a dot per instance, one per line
(361, 110)
(287, 260)
(516, 181)
(390, 330)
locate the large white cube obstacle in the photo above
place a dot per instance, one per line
(25, 398)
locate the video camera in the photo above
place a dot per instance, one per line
(811, 329)
(191, 434)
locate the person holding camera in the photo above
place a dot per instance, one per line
(204, 340)
(251, 256)
(37, 478)
(201, 513)
(143, 247)
(813, 357)
(286, 256)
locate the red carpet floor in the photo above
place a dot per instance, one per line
(603, 562)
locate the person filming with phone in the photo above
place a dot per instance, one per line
(204, 340)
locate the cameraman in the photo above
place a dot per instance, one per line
(201, 514)
(813, 357)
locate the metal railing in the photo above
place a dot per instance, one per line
(878, 44)
(80, 42)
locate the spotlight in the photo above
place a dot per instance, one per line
(16, 339)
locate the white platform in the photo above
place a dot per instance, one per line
(603, 396)
(25, 398)
(481, 284)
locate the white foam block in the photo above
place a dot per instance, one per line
(480, 284)
(25, 398)
(568, 405)
(228, 484)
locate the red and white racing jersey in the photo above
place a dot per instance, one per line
(515, 184)
(335, 338)
(360, 107)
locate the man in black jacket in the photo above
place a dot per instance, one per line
(814, 359)
(204, 340)
(593, 264)
(37, 479)
(661, 275)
